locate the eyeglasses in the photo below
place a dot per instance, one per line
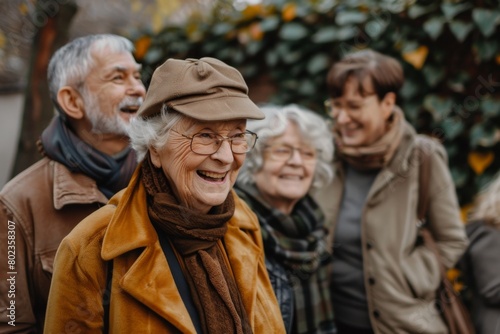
(207, 143)
(284, 152)
(352, 110)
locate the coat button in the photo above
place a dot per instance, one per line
(369, 245)
(376, 314)
(371, 280)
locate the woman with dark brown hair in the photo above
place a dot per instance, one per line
(384, 280)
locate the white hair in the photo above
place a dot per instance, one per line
(152, 131)
(313, 129)
(487, 203)
(72, 63)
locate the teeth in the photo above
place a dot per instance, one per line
(130, 109)
(291, 177)
(213, 175)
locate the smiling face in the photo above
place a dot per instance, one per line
(361, 120)
(200, 181)
(113, 92)
(284, 183)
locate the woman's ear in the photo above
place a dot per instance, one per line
(155, 157)
(71, 102)
(388, 104)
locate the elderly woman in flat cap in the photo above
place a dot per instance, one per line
(176, 251)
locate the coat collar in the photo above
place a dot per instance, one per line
(74, 188)
(148, 278)
(400, 164)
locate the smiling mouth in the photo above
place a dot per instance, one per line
(210, 176)
(129, 109)
(291, 177)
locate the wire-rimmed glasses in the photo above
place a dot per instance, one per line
(207, 143)
(284, 152)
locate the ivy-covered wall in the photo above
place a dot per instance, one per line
(450, 51)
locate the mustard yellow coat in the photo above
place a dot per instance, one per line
(144, 297)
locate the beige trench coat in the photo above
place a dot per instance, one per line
(400, 277)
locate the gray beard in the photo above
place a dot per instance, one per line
(101, 123)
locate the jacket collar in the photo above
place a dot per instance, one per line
(74, 188)
(399, 166)
(149, 278)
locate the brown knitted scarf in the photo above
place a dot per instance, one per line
(195, 237)
(379, 153)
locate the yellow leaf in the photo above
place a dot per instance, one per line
(479, 161)
(142, 46)
(244, 36)
(256, 32)
(464, 211)
(23, 9)
(417, 57)
(458, 286)
(162, 10)
(452, 274)
(136, 6)
(252, 11)
(289, 11)
(3, 40)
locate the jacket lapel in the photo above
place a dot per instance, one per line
(244, 261)
(398, 167)
(150, 281)
(147, 276)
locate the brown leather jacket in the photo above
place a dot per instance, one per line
(38, 208)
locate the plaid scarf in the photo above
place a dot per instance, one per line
(298, 242)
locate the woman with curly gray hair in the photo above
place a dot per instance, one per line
(292, 155)
(482, 276)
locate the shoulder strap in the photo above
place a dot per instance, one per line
(424, 149)
(106, 297)
(424, 178)
(180, 280)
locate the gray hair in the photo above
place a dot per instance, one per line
(313, 129)
(487, 203)
(72, 63)
(152, 131)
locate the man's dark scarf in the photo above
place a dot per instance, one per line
(111, 174)
(195, 237)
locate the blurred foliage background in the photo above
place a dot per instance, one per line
(450, 51)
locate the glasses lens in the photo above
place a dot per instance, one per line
(243, 142)
(281, 153)
(205, 143)
(209, 143)
(285, 152)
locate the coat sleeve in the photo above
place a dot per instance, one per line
(76, 294)
(444, 212)
(16, 306)
(483, 253)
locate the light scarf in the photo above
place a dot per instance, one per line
(377, 154)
